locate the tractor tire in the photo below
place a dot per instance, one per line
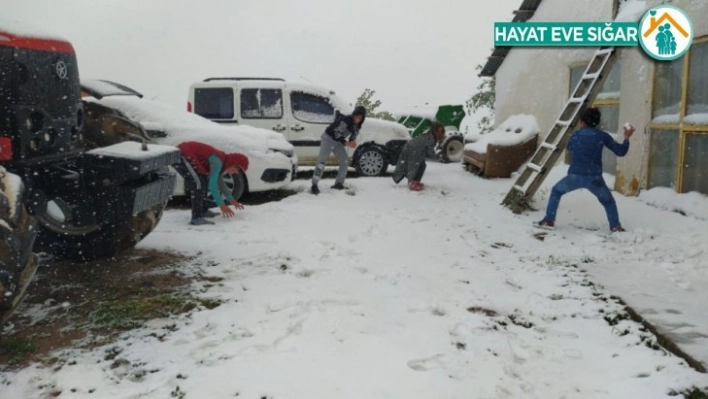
(102, 241)
(370, 161)
(18, 231)
(103, 126)
(452, 149)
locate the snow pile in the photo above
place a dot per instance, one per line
(697, 114)
(133, 150)
(689, 204)
(13, 188)
(16, 27)
(517, 129)
(631, 10)
(183, 126)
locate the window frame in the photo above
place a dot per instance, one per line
(683, 129)
(300, 92)
(241, 109)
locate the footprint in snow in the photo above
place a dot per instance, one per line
(427, 363)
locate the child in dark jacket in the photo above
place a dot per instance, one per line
(343, 131)
(586, 168)
(411, 162)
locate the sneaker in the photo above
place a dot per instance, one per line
(338, 186)
(200, 222)
(545, 224)
(415, 186)
(210, 214)
(314, 189)
(617, 229)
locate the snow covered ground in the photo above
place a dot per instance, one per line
(378, 292)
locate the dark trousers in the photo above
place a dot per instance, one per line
(595, 184)
(196, 184)
(421, 172)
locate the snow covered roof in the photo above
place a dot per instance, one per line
(524, 13)
(517, 129)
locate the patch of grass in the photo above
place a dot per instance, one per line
(133, 312)
(17, 348)
(696, 393)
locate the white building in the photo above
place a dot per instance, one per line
(667, 102)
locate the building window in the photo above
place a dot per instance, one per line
(679, 127)
(608, 102)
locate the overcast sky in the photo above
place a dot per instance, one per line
(411, 52)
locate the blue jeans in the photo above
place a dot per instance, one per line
(595, 184)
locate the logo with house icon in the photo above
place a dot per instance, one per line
(666, 33)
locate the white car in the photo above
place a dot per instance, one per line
(272, 165)
(301, 112)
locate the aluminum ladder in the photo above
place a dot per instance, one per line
(548, 153)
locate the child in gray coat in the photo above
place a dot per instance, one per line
(411, 162)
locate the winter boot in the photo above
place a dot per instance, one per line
(338, 186)
(415, 186)
(545, 224)
(617, 229)
(315, 190)
(200, 222)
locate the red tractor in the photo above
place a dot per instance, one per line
(59, 192)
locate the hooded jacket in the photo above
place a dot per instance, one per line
(198, 155)
(210, 162)
(343, 128)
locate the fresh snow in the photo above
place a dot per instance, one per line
(13, 188)
(691, 204)
(369, 300)
(184, 126)
(696, 119)
(133, 150)
(515, 130)
(613, 95)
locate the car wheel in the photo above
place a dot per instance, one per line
(234, 183)
(452, 149)
(371, 161)
(18, 230)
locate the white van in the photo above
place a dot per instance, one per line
(301, 112)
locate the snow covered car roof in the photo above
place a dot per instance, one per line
(181, 126)
(99, 88)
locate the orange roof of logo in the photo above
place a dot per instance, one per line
(655, 24)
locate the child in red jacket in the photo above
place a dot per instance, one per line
(204, 166)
